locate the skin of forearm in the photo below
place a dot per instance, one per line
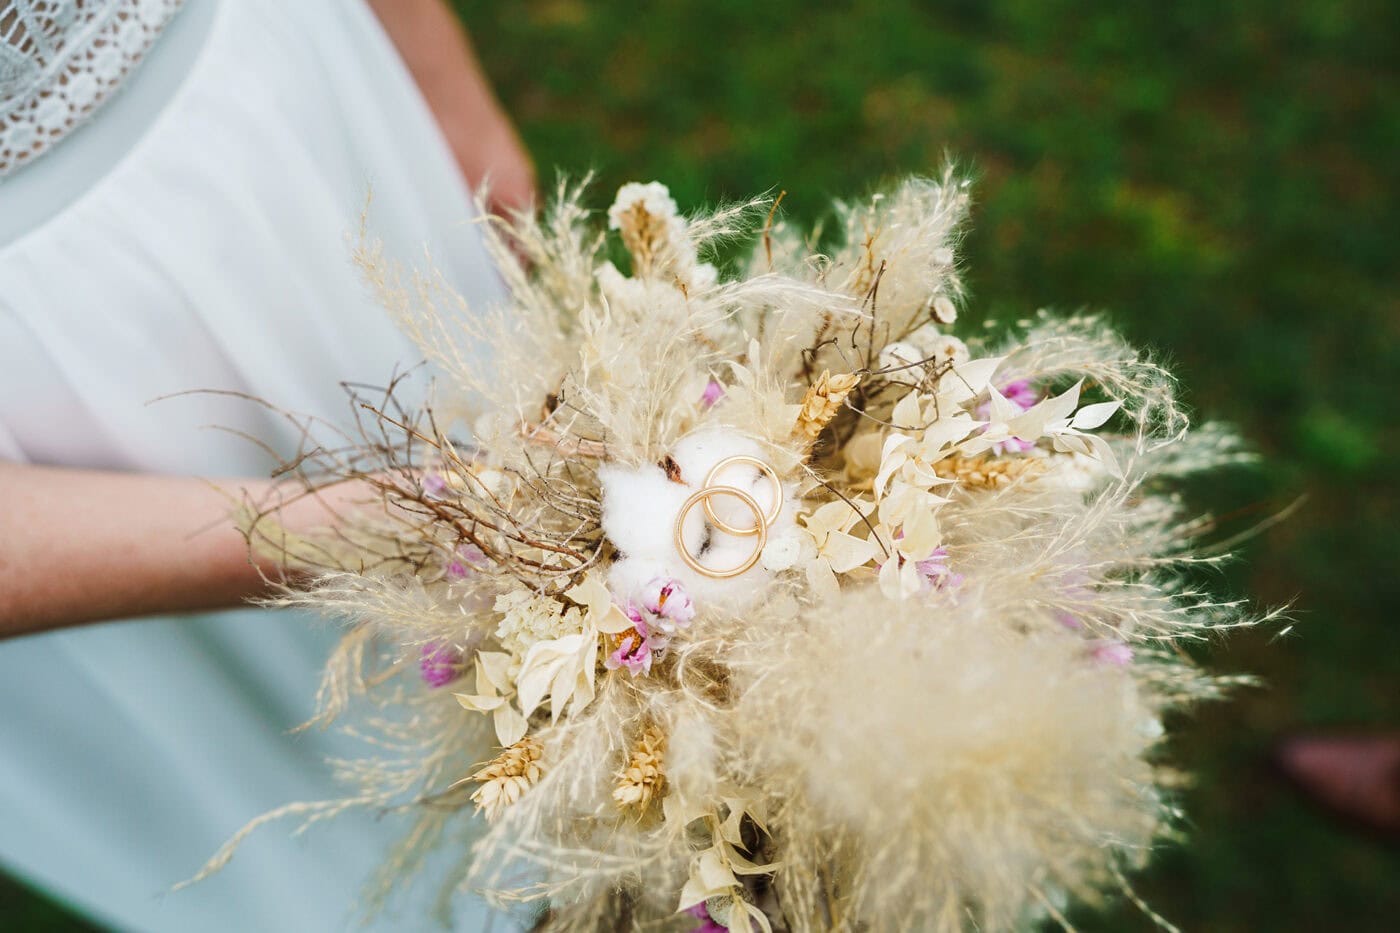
(80, 546)
(83, 546)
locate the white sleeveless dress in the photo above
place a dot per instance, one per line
(212, 253)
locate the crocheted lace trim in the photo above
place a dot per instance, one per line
(60, 60)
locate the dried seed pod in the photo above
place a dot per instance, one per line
(507, 777)
(643, 780)
(822, 401)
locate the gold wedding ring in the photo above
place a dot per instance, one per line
(761, 521)
(760, 528)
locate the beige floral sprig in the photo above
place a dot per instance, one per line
(508, 776)
(822, 401)
(646, 217)
(987, 472)
(643, 780)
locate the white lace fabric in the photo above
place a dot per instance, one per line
(60, 60)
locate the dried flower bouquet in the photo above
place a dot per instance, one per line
(763, 601)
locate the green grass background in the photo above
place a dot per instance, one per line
(1221, 176)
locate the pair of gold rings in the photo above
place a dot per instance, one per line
(761, 521)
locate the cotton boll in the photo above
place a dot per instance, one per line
(639, 516)
(705, 275)
(719, 551)
(640, 507)
(698, 453)
(629, 576)
(639, 510)
(733, 511)
(650, 551)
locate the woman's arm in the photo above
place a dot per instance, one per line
(81, 546)
(438, 53)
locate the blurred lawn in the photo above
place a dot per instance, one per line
(1220, 175)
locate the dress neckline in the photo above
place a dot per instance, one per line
(67, 168)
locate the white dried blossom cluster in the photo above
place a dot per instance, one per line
(658, 236)
(653, 197)
(529, 618)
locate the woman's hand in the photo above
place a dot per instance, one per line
(439, 55)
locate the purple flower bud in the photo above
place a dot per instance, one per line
(712, 394)
(438, 664)
(709, 925)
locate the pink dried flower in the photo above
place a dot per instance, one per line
(935, 571)
(668, 601)
(633, 653)
(1112, 652)
(434, 484)
(1021, 394)
(439, 664)
(1012, 445)
(636, 648)
(712, 394)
